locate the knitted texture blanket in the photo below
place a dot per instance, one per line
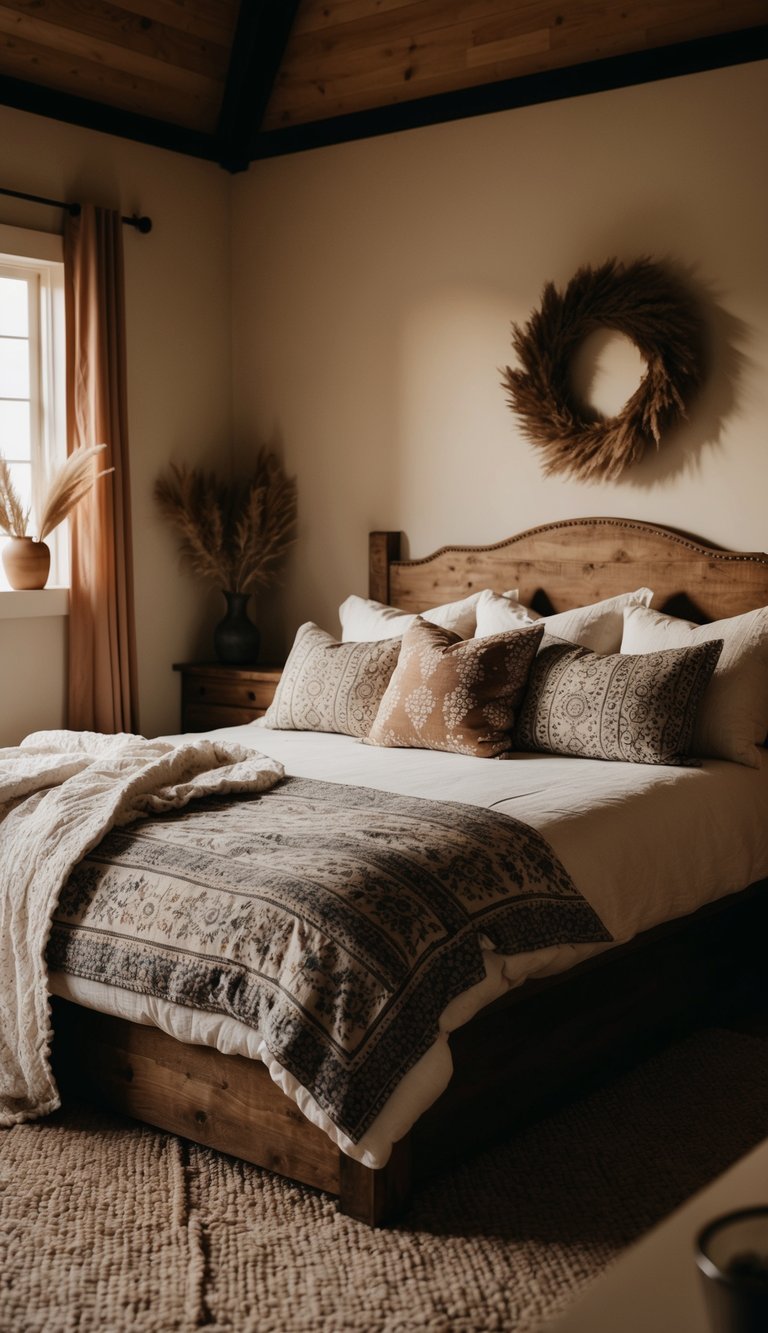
(60, 793)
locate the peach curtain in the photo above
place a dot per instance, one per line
(102, 648)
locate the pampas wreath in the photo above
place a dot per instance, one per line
(647, 304)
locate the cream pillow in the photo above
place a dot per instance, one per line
(330, 686)
(368, 621)
(598, 627)
(734, 714)
(455, 694)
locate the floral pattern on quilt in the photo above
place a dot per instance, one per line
(338, 921)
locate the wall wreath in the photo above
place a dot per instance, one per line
(646, 303)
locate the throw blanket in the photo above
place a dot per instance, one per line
(60, 792)
(337, 921)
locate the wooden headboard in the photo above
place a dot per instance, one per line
(574, 562)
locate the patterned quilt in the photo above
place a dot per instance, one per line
(338, 921)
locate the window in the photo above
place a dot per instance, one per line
(32, 393)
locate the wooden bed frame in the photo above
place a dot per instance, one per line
(549, 1039)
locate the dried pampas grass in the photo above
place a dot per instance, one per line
(68, 486)
(654, 310)
(13, 516)
(232, 534)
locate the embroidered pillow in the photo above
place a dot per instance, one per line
(598, 626)
(640, 709)
(330, 686)
(363, 619)
(453, 694)
(734, 713)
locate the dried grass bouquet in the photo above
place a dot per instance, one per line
(233, 534)
(69, 484)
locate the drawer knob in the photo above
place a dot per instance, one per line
(201, 690)
(251, 695)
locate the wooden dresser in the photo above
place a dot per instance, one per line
(214, 695)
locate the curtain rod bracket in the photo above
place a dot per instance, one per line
(142, 224)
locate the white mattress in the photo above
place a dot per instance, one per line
(644, 844)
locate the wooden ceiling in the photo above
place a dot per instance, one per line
(233, 80)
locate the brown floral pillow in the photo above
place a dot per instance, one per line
(330, 686)
(637, 708)
(456, 694)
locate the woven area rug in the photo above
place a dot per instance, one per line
(107, 1227)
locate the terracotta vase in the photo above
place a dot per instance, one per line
(27, 563)
(236, 639)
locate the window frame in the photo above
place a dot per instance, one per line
(40, 255)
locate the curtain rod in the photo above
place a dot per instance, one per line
(141, 224)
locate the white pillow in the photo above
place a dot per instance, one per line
(598, 627)
(367, 621)
(733, 719)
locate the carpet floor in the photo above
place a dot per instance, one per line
(107, 1227)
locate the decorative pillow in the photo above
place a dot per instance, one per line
(734, 713)
(456, 694)
(330, 686)
(363, 619)
(615, 706)
(598, 626)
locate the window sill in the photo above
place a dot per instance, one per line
(32, 605)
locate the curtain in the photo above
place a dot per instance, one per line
(102, 648)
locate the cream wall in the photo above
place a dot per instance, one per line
(374, 287)
(179, 388)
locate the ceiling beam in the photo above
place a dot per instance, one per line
(263, 29)
(93, 115)
(594, 76)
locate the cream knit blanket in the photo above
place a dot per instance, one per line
(60, 793)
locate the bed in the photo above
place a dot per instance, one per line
(559, 1018)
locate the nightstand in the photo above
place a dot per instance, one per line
(214, 695)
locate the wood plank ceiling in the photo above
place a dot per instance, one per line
(233, 80)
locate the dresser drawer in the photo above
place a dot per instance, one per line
(233, 693)
(213, 695)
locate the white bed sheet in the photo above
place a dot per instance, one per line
(644, 844)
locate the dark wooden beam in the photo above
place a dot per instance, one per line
(693, 57)
(263, 29)
(93, 115)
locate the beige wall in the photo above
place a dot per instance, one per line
(179, 386)
(374, 287)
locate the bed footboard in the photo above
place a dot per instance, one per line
(226, 1102)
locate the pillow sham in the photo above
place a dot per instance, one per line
(364, 619)
(598, 626)
(639, 709)
(733, 720)
(455, 694)
(331, 686)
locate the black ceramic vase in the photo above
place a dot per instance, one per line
(236, 639)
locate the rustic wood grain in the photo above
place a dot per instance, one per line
(575, 562)
(194, 106)
(227, 1102)
(121, 55)
(347, 56)
(213, 695)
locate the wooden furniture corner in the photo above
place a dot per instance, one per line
(214, 695)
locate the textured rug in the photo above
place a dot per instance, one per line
(110, 1227)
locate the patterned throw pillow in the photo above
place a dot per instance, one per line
(640, 709)
(455, 694)
(733, 720)
(330, 686)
